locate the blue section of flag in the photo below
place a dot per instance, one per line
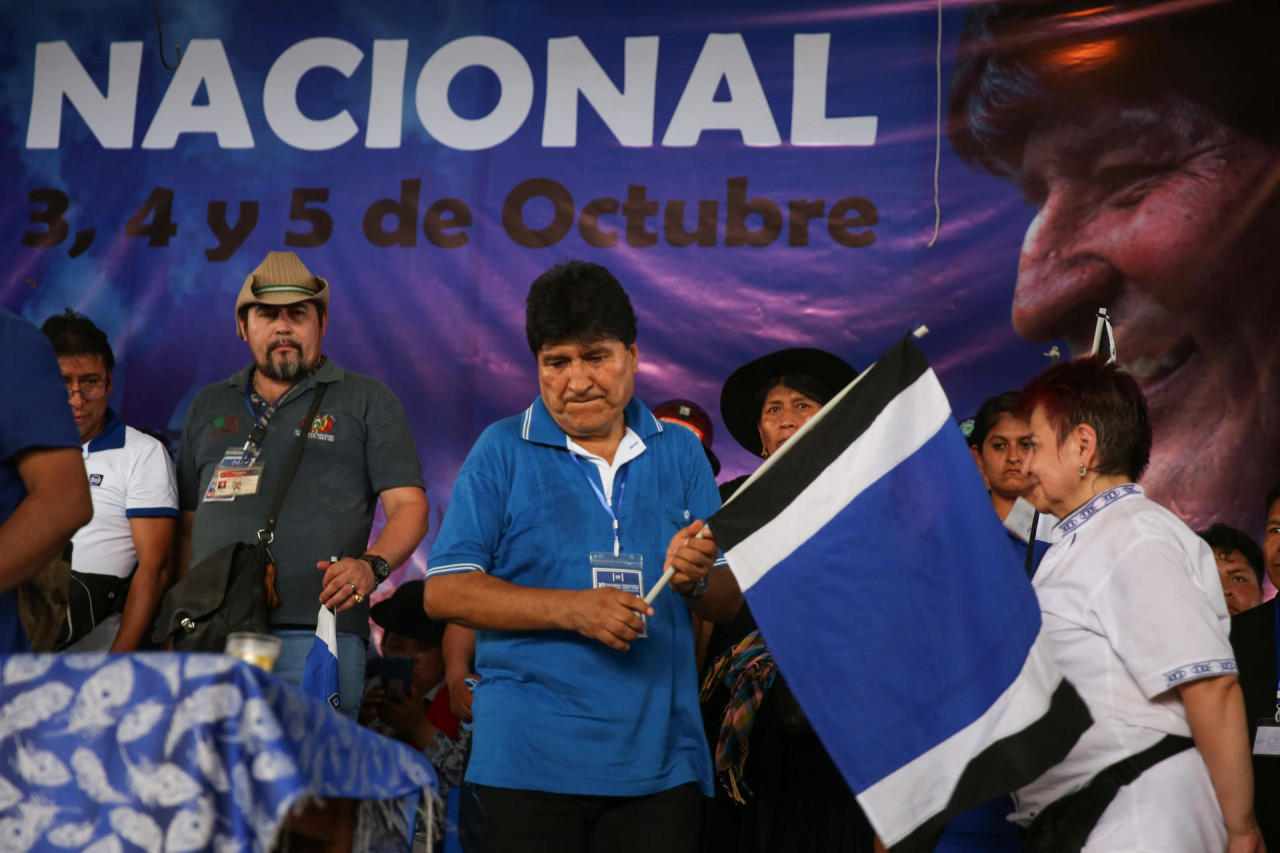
(905, 617)
(887, 592)
(320, 675)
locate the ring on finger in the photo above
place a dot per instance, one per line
(356, 594)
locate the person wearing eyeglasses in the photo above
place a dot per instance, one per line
(122, 560)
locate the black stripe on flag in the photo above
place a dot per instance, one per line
(846, 420)
(1008, 764)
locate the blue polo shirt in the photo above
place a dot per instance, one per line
(35, 414)
(556, 711)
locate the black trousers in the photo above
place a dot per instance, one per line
(519, 821)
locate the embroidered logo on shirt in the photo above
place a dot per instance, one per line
(95, 479)
(226, 425)
(321, 427)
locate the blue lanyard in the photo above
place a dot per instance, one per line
(253, 445)
(604, 502)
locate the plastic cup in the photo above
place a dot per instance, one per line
(261, 650)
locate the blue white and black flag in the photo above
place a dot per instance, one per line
(886, 589)
(320, 673)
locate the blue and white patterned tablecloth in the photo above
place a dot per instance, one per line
(175, 752)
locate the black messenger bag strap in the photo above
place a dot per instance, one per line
(266, 534)
(1065, 824)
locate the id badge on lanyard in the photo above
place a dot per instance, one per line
(624, 572)
(1267, 740)
(235, 475)
(240, 470)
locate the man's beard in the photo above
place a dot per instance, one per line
(287, 369)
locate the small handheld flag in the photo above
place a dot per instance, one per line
(320, 675)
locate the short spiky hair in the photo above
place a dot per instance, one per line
(1223, 537)
(72, 333)
(1091, 391)
(577, 301)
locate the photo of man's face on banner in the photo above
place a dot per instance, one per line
(1145, 135)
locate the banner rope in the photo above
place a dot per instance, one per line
(937, 132)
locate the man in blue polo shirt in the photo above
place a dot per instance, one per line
(587, 730)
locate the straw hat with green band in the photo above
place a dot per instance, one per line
(281, 279)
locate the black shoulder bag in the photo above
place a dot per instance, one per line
(232, 589)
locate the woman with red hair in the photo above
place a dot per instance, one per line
(1134, 612)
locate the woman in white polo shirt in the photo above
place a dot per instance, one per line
(1134, 611)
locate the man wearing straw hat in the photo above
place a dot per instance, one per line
(235, 442)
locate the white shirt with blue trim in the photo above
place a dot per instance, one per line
(1132, 607)
(130, 476)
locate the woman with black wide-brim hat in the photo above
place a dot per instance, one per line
(789, 795)
(795, 383)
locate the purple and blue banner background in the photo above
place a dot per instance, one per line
(443, 324)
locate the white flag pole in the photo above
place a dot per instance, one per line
(917, 333)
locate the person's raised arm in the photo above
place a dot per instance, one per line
(56, 506)
(1215, 712)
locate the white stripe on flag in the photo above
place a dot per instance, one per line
(901, 428)
(327, 629)
(906, 798)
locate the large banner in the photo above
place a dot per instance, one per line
(756, 175)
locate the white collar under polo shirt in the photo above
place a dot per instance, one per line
(130, 476)
(629, 448)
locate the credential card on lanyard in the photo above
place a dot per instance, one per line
(235, 475)
(624, 572)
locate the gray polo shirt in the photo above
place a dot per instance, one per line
(359, 446)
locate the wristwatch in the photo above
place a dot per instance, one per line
(699, 587)
(381, 568)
